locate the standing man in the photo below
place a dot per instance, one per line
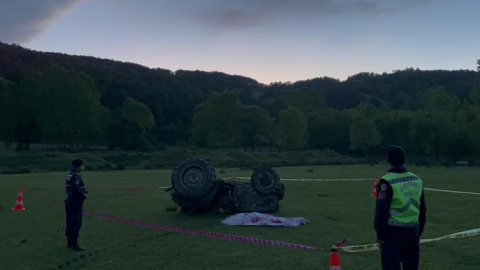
(76, 194)
(400, 214)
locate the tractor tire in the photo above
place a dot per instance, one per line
(194, 178)
(264, 180)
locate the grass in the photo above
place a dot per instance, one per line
(33, 239)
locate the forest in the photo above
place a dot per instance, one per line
(75, 102)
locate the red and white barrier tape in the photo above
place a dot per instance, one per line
(360, 248)
(203, 233)
(192, 231)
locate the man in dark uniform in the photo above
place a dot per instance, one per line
(76, 194)
(400, 214)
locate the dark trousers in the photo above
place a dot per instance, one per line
(74, 213)
(401, 247)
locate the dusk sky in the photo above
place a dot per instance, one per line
(268, 40)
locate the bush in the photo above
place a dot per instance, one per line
(171, 207)
(160, 147)
(18, 171)
(105, 160)
(335, 162)
(372, 161)
(107, 166)
(446, 164)
(422, 163)
(310, 170)
(94, 167)
(149, 167)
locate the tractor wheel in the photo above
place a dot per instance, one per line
(264, 180)
(194, 178)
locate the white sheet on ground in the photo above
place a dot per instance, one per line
(259, 219)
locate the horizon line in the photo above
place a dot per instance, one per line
(244, 76)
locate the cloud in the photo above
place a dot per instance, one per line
(249, 13)
(23, 20)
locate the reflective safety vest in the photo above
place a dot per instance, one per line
(405, 206)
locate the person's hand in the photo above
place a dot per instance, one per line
(380, 241)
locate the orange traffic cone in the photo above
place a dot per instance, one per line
(335, 260)
(19, 203)
(374, 192)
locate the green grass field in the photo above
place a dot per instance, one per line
(33, 239)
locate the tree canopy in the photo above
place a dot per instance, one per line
(76, 101)
(138, 113)
(293, 129)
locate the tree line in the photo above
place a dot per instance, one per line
(185, 107)
(60, 107)
(172, 96)
(63, 107)
(444, 127)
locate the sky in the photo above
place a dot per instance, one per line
(267, 40)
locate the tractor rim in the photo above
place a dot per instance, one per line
(266, 180)
(193, 176)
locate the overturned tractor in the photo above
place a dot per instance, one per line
(197, 190)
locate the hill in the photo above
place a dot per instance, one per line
(115, 80)
(325, 114)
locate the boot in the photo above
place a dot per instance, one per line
(78, 248)
(75, 246)
(70, 242)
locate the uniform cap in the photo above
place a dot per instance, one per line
(396, 155)
(77, 163)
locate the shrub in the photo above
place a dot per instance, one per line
(107, 166)
(160, 147)
(422, 163)
(17, 171)
(170, 207)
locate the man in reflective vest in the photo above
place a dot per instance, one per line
(400, 214)
(76, 194)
